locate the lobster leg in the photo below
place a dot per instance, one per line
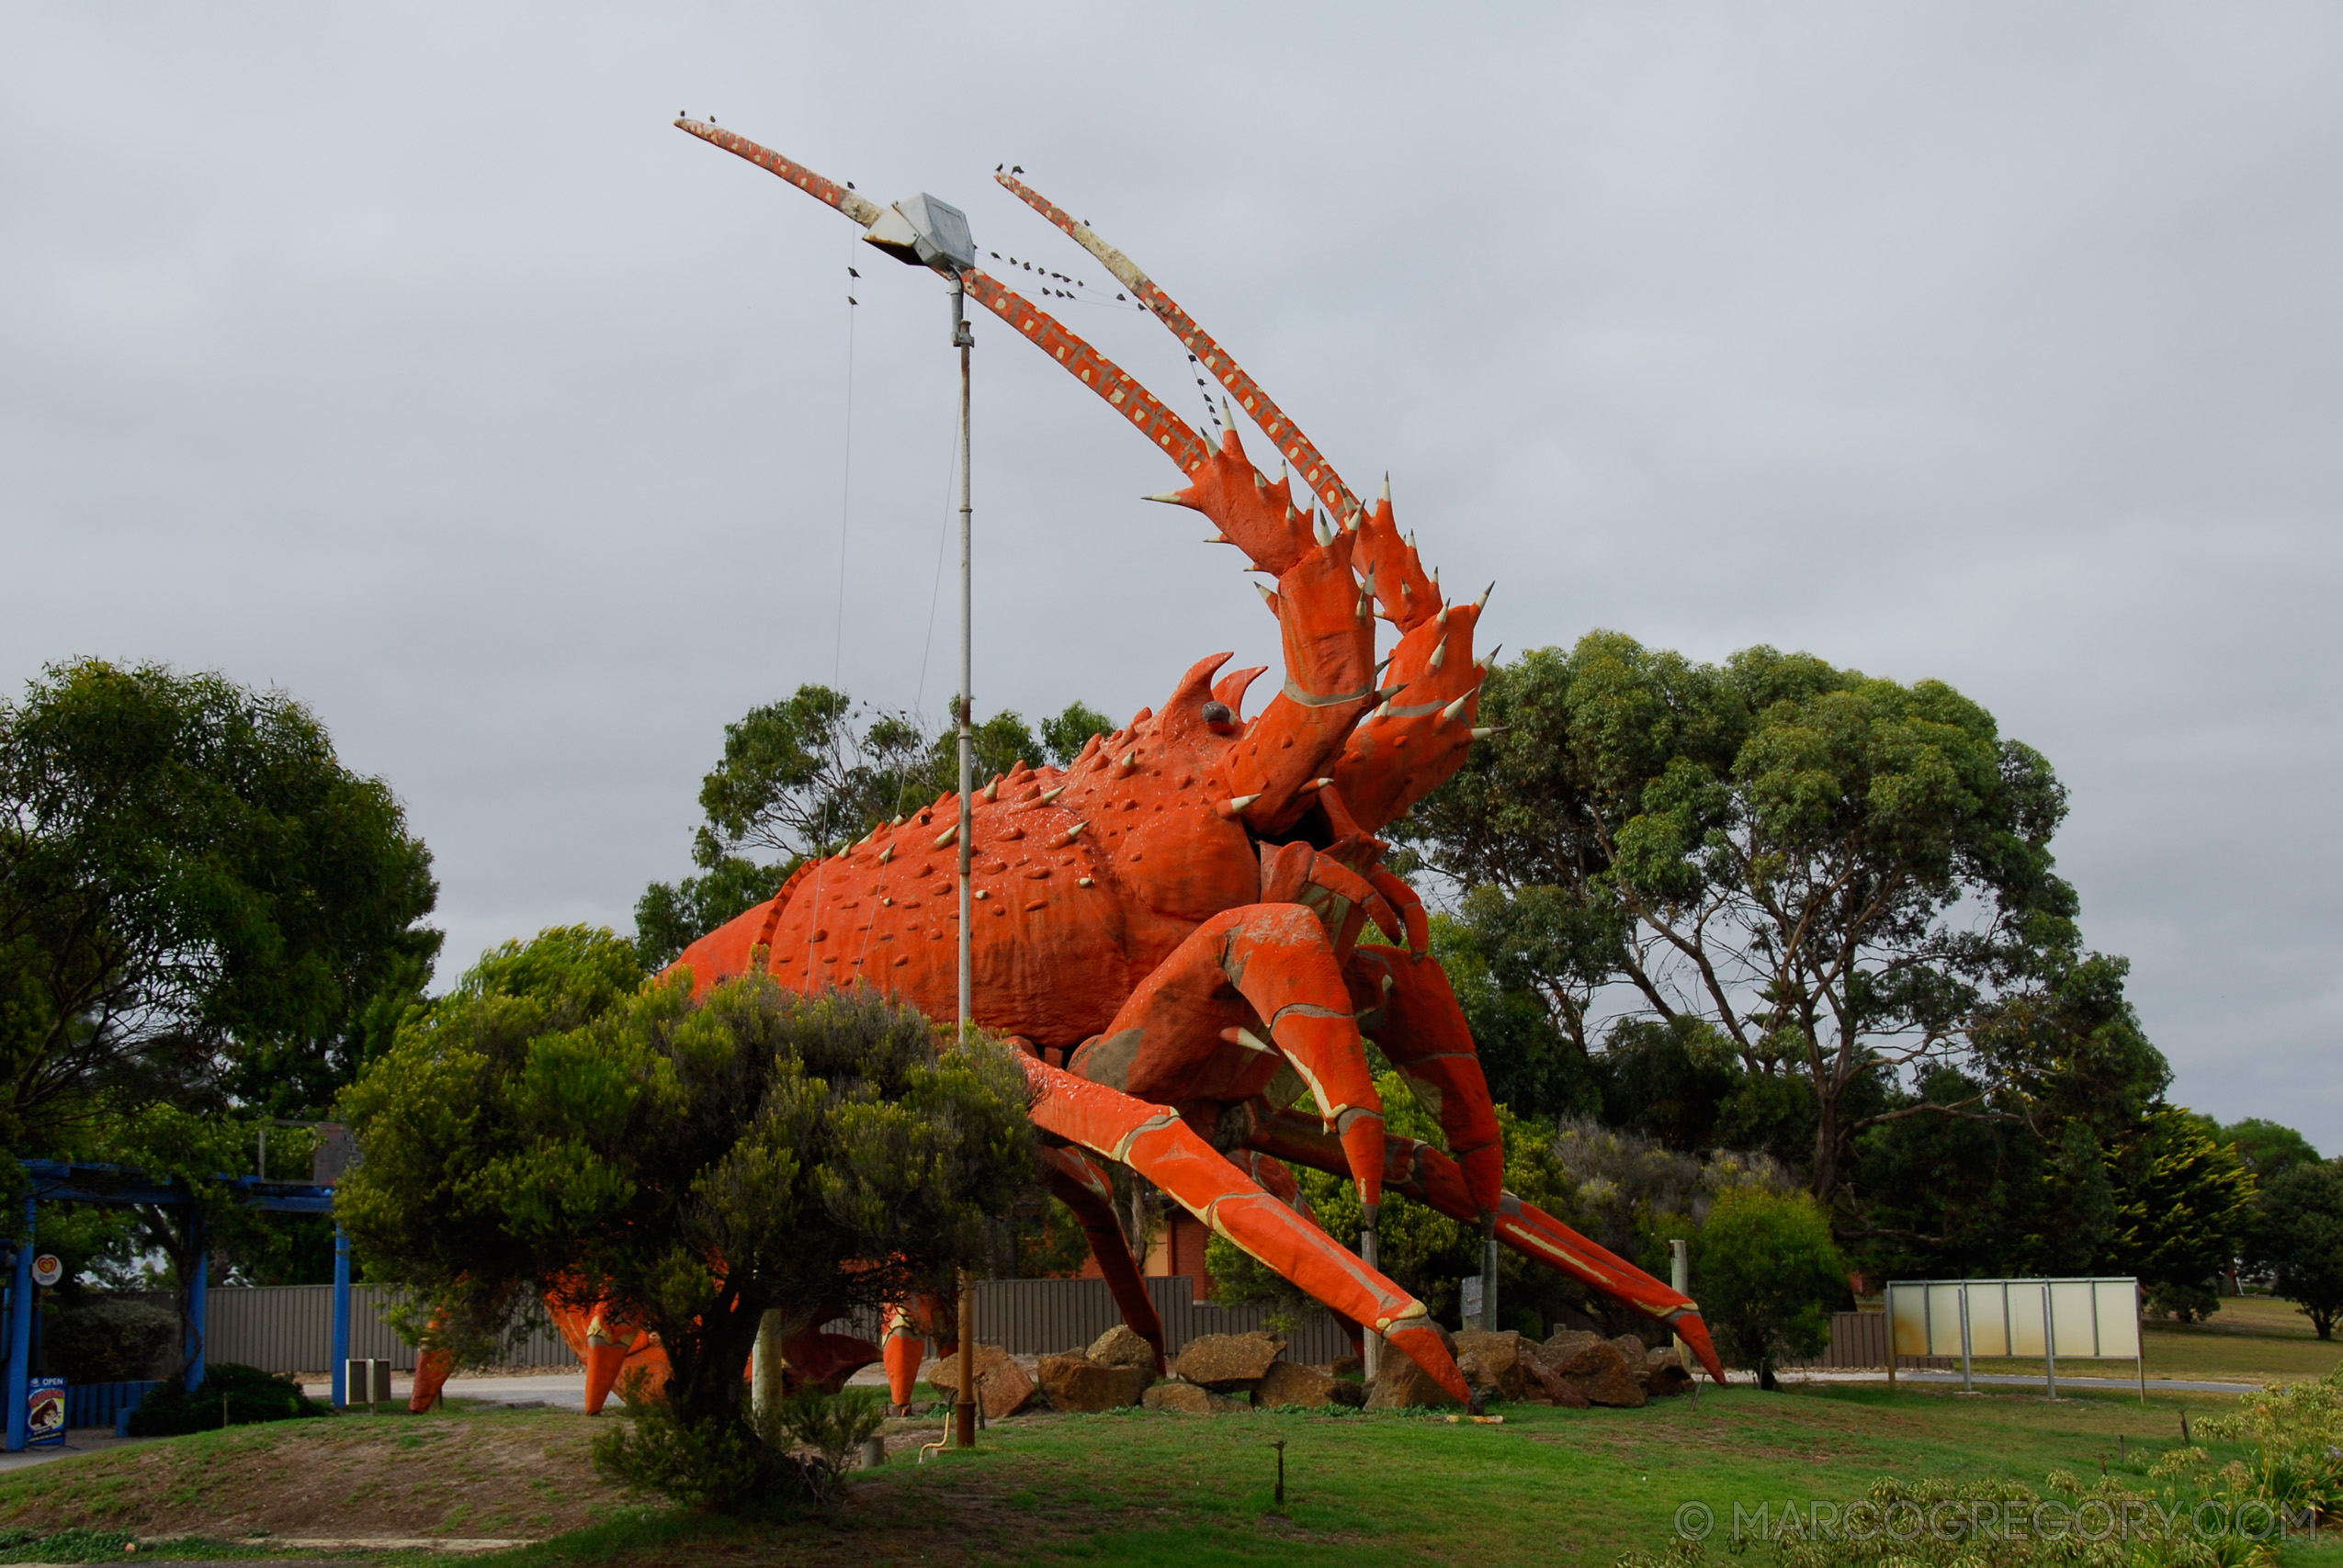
(1430, 1176)
(1421, 1029)
(1083, 1188)
(1154, 1141)
(903, 1349)
(1280, 961)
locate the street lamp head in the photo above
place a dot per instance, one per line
(925, 231)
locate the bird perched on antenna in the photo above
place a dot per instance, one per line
(1018, 170)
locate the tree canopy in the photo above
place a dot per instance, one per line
(556, 1124)
(1843, 876)
(199, 903)
(2298, 1235)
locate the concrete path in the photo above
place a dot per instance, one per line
(78, 1440)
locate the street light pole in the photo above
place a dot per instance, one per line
(963, 340)
(964, 1410)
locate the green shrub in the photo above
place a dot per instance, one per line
(795, 1454)
(244, 1394)
(826, 1429)
(1766, 1275)
(110, 1341)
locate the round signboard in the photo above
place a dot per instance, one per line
(47, 1269)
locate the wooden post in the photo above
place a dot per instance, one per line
(2049, 1346)
(964, 1412)
(1889, 1302)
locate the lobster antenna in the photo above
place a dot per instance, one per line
(1163, 429)
(1316, 472)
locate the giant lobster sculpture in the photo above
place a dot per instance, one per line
(1173, 929)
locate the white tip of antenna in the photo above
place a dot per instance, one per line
(1169, 498)
(1485, 594)
(1386, 487)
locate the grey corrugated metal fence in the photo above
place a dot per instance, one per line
(1858, 1343)
(289, 1328)
(1028, 1317)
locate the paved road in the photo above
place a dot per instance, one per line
(2019, 1380)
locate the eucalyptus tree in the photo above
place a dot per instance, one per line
(1848, 879)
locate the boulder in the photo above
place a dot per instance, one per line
(1566, 1394)
(1077, 1384)
(1664, 1373)
(1226, 1362)
(1348, 1366)
(1312, 1387)
(1187, 1399)
(1400, 1384)
(1122, 1346)
(1632, 1347)
(1003, 1386)
(1504, 1363)
(1599, 1370)
(1564, 1343)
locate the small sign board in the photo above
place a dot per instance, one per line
(47, 1269)
(1472, 1300)
(45, 1412)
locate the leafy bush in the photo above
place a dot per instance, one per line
(110, 1341)
(2297, 1433)
(1766, 1275)
(795, 1454)
(245, 1394)
(826, 1429)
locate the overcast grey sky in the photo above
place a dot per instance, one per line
(406, 356)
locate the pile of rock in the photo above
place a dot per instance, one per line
(1573, 1367)
(1217, 1373)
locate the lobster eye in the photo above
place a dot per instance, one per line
(1218, 715)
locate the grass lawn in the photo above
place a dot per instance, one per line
(1548, 1486)
(2251, 1338)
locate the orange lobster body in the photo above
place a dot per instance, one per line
(1174, 927)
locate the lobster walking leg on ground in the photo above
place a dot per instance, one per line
(1077, 1183)
(1154, 1141)
(1418, 1170)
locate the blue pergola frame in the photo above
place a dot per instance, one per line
(55, 1181)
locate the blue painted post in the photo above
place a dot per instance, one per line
(341, 1319)
(20, 1338)
(198, 1301)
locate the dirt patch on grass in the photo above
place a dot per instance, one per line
(527, 1475)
